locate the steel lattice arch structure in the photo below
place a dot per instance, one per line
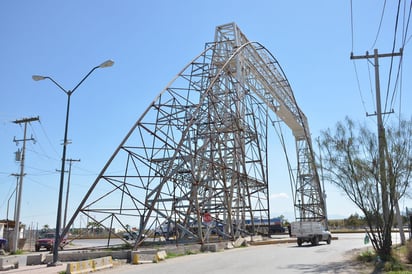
(202, 146)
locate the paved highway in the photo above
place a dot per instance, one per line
(275, 258)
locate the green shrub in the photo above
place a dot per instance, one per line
(409, 252)
(393, 265)
(367, 256)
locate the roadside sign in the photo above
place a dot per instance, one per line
(366, 239)
(207, 218)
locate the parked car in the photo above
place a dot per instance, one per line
(165, 229)
(276, 229)
(3, 243)
(47, 241)
(130, 236)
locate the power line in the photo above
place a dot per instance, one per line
(43, 150)
(380, 25)
(48, 139)
(371, 84)
(393, 50)
(405, 34)
(404, 42)
(351, 21)
(359, 86)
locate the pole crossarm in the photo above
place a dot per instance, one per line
(376, 55)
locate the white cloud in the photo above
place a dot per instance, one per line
(281, 195)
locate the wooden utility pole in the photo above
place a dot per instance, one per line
(381, 138)
(68, 189)
(20, 185)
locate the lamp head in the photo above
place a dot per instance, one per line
(106, 64)
(38, 77)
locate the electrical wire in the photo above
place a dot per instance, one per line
(390, 97)
(405, 34)
(404, 43)
(398, 82)
(9, 194)
(370, 84)
(39, 144)
(392, 58)
(410, 37)
(48, 139)
(354, 63)
(380, 25)
(351, 22)
(359, 86)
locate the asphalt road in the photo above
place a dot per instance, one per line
(274, 258)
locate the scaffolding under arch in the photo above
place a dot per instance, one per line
(201, 147)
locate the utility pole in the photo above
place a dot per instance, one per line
(15, 204)
(381, 138)
(16, 198)
(20, 185)
(68, 189)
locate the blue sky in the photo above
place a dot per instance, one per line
(150, 42)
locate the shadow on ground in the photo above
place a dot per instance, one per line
(346, 267)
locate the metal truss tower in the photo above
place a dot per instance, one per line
(202, 147)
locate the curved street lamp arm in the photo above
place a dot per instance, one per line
(84, 78)
(105, 64)
(57, 84)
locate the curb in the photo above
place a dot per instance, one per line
(139, 257)
(89, 265)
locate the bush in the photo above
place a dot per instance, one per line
(393, 265)
(367, 256)
(409, 252)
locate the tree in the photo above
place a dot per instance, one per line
(45, 228)
(354, 220)
(94, 226)
(351, 161)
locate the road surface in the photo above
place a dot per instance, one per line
(274, 258)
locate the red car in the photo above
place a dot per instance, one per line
(47, 241)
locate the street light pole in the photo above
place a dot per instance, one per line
(57, 237)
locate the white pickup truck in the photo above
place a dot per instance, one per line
(311, 232)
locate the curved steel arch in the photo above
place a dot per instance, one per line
(202, 145)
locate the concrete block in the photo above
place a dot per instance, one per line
(9, 262)
(34, 259)
(256, 238)
(209, 247)
(134, 257)
(22, 260)
(48, 258)
(120, 254)
(71, 256)
(89, 265)
(240, 242)
(147, 256)
(138, 258)
(161, 255)
(103, 263)
(79, 267)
